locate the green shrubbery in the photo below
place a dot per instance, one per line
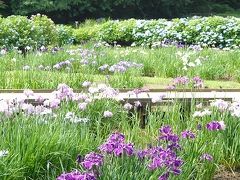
(37, 31)
(65, 34)
(86, 33)
(206, 31)
(215, 31)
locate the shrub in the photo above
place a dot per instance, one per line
(65, 34)
(16, 31)
(86, 33)
(212, 31)
(20, 32)
(43, 30)
(117, 31)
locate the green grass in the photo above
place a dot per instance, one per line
(42, 147)
(219, 69)
(50, 80)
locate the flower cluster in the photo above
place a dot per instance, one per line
(116, 145)
(164, 158)
(121, 66)
(92, 160)
(188, 61)
(205, 112)
(168, 136)
(60, 65)
(220, 104)
(71, 117)
(183, 81)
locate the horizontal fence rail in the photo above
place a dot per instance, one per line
(126, 90)
(186, 98)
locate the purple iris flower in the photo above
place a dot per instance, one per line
(92, 160)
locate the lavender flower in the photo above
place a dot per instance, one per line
(137, 104)
(215, 126)
(52, 103)
(182, 80)
(197, 82)
(207, 157)
(158, 98)
(82, 106)
(188, 134)
(103, 67)
(28, 92)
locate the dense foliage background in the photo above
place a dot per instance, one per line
(65, 11)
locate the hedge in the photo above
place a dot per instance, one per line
(39, 30)
(212, 31)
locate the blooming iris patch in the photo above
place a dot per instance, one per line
(163, 158)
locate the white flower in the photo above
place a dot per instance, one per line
(86, 83)
(220, 104)
(127, 106)
(199, 106)
(3, 52)
(82, 106)
(107, 114)
(223, 126)
(28, 92)
(137, 104)
(93, 90)
(26, 67)
(197, 114)
(69, 115)
(206, 112)
(79, 120)
(3, 153)
(203, 113)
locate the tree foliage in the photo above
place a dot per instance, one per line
(65, 10)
